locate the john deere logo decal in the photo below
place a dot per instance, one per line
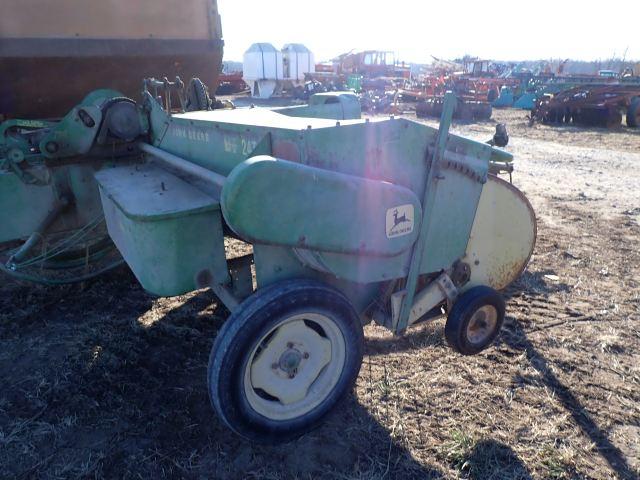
(399, 221)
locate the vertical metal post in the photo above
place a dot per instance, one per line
(431, 187)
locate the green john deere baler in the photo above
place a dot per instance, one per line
(350, 220)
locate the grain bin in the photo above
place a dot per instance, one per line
(297, 61)
(262, 69)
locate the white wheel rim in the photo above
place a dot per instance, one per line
(482, 324)
(293, 368)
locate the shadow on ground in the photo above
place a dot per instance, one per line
(103, 382)
(516, 337)
(536, 285)
(493, 460)
(98, 383)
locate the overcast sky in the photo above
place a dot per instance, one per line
(500, 30)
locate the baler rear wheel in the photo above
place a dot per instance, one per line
(284, 359)
(475, 320)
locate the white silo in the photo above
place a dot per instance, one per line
(262, 69)
(297, 61)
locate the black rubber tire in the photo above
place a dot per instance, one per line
(455, 329)
(423, 109)
(633, 113)
(249, 323)
(197, 96)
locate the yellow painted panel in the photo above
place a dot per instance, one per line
(502, 237)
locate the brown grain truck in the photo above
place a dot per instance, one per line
(52, 53)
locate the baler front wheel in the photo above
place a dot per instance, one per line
(284, 359)
(475, 320)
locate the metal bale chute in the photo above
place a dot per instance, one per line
(350, 220)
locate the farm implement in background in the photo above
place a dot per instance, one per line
(589, 105)
(468, 108)
(476, 87)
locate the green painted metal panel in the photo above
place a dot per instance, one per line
(220, 139)
(454, 210)
(212, 143)
(144, 192)
(274, 263)
(22, 206)
(357, 268)
(79, 182)
(461, 173)
(318, 209)
(331, 105)
(177, 244)
(335, 111)
(391, 150)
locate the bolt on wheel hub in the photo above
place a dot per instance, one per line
(290, 361)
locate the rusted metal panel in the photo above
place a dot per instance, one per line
(53, 53)
(24, 94)
(107, 19)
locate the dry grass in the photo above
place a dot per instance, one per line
(104, 381)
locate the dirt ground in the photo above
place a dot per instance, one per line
(105, 381)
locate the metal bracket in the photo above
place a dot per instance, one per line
(447, 287)
(440, 290)
(225, 295)
(241, 278)
(431, 187)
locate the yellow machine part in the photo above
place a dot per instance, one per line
(502, 237)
